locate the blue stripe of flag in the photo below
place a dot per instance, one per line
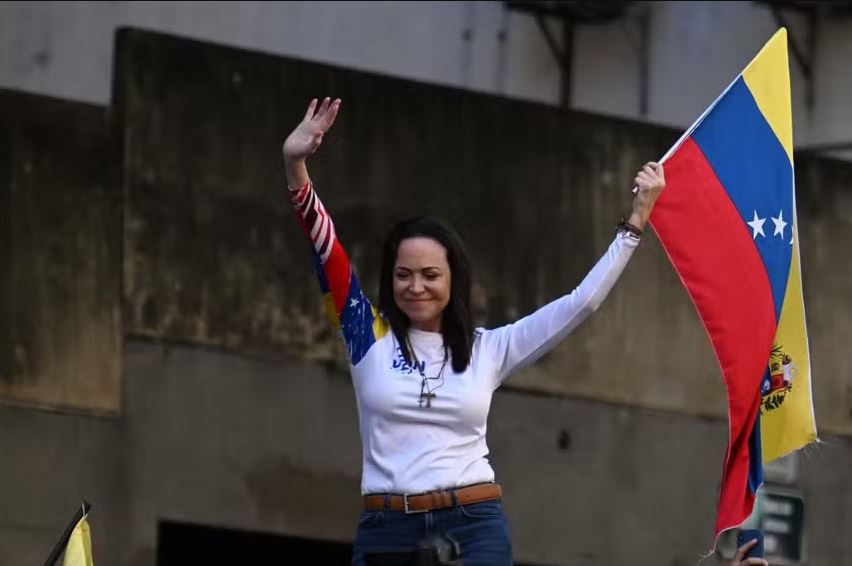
(756, 172)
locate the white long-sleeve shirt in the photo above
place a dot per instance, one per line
(409, 447)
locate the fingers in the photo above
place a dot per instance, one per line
(314, 113)
(328, 117)
(643, 176)
(324, 106)
(652, 167)
(650, 176)
(311, 107)
(741, 552)
(644, 181)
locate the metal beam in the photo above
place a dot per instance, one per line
(571, 13)
(820, 148)
(644, 61)
(561, 56)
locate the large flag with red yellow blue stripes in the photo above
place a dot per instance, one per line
(727, 221)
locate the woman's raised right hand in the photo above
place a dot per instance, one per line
(307, 136)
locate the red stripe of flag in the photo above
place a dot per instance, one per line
(712, 250)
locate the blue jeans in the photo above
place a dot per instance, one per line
(480, 529)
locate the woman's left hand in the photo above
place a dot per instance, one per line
(649, 182)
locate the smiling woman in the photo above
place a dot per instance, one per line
(425, 284)
(423, 375)
(421, 282)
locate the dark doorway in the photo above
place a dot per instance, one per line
(180, 544)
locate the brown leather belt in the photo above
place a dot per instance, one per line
(439, 499)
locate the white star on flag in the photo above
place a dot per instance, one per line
(757, 226)
(779, 224)
(353, 303)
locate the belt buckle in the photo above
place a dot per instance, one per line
(407, 510)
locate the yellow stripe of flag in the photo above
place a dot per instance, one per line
(788, 422)
(787, 415)
(768, 79)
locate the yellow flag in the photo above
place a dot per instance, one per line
(78, 552)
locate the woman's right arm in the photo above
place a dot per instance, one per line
(345, 302)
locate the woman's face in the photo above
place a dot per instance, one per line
(422, 282)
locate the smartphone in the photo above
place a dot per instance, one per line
(746, 535)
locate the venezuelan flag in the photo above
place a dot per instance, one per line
(727, 221)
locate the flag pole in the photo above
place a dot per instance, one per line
(63, 540)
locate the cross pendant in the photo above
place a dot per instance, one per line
(427, 397)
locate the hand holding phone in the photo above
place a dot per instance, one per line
(749, 548)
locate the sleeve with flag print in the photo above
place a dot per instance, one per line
(345, 302)
(519, 344)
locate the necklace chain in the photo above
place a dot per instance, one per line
(426, 393)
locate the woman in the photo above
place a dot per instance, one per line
(423, 376)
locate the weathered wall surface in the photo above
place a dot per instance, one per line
(824, 203)
(60, 341)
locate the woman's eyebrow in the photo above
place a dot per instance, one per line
(406, 268)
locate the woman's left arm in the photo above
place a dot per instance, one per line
(526, 340)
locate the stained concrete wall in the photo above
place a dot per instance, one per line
(60, 337)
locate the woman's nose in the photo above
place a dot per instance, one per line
(416, 285)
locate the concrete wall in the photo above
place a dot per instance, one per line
(66, 49)
(60, 336)
(694, 50)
